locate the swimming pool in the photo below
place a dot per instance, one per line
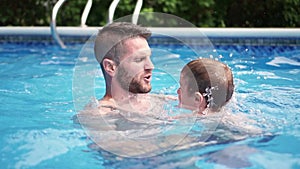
(38, 131)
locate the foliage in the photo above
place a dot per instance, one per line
(25, 12)
(202, 13)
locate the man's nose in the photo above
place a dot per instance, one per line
(149, 64)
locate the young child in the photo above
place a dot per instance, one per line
(205, 83)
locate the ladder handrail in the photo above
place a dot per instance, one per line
(53, 24)
(86, 12)
(56, 7)
(137, 11)
(111, 10)
(135, 16)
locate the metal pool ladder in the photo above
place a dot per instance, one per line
(136, 12)
(53, 20)
(85, 14)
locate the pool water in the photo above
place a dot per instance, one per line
(37, 109)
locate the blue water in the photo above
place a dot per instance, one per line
(37, 109)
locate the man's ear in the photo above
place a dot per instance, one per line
(109, 66)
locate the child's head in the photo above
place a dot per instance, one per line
(205, 83)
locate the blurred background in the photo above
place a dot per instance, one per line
(202, 13)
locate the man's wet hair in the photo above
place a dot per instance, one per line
(110, 39)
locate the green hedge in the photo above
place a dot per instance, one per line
(202, 13)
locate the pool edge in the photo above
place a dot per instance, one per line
(252, 36)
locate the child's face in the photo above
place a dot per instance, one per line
(186, 100)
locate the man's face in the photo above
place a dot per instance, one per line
(135, 69)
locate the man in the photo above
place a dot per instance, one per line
(124, 57)
(123, 52)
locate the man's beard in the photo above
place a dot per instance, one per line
(133, 84)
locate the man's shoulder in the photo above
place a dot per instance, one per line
(98, 107)
(162, 96)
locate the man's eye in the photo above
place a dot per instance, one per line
(138, 59)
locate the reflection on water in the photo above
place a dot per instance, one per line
(137, 134)
(37, 105)
(161, 129)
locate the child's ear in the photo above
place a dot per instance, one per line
(198, 97)
(199, 101)
(109, 66)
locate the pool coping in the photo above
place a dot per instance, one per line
(253, 36)
(210, 32)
